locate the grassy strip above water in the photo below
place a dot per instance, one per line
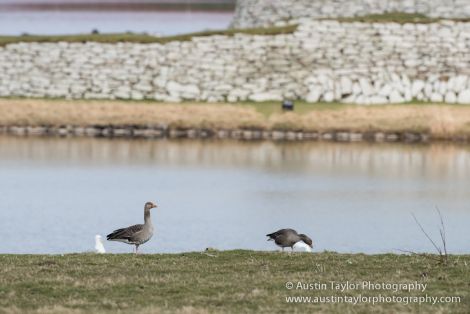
(394, 17)
(226, 282)
(446, 122)
(142, 38)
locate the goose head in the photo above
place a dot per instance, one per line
(150, 205)
(306, 240)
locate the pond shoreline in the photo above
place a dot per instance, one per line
(120, 119)
(161, 132)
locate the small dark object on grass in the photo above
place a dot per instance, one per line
(288, 105)
(95, 31)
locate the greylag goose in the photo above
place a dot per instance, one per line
(288, 238)
(136, 234)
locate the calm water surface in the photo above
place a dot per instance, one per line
(56, 18)
(56, 194)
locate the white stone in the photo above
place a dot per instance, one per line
(360, 100)
(366, 88)
(385, 91)
(351, 99)
(395, 97)
(122, 94)
(136, 95)
(464, 97)
(460, 83)
(159, 96)
(313, 96)
(232, 98)
(172, 99)
(179, 90)
(356, 89)
(428, 89)
(329, 97)
(450, 98)
(407, 94)
(378, 100)
(417, 87)
(436, 97)
(260, 97)
(345, 85)
(159, 82)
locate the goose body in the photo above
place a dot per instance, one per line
(288, 238)
(135, 234)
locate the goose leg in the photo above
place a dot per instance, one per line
(136, 249)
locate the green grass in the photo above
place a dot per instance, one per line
(221, 282)
(142, 38)
(396, 17)
(393, 17)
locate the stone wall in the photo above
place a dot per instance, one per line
(251, 13)
(322, 61)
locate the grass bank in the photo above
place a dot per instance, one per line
(142, 38)
(440, 122)
(224, 282)
(395, 17)
(392, 17)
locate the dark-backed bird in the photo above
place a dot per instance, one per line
(136, 234)
(288, 237)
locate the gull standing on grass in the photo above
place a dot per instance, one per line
(99, 247)
(136, 234)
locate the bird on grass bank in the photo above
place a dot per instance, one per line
(99, 247)
(289, 238)
(136, 234)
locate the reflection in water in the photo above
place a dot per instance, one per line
(348, 197)
(390, 160)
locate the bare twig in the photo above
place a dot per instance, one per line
(439, 250)
(442, 231)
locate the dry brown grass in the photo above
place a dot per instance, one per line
(85, 113)
(440, 121)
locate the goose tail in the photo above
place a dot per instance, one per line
(115, 235)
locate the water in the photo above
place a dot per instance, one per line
(56, 194)
(56, 18)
